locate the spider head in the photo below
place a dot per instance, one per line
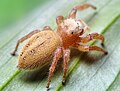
(72, 26)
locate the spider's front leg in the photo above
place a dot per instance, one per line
(23, 39)
(91, 37)
(87, 48)
(57, 55)
(79, 7)
(66, 58)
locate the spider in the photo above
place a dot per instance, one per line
(47, 44)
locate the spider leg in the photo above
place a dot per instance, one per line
(47, 28)
(57, 56)
(79, 7)
(59, 20)
(87, 48)
(91, 37)
(66, 58)
(22, 39)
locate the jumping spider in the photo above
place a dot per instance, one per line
(43, 45)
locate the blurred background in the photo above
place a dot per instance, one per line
(19, 17)
(12, 11)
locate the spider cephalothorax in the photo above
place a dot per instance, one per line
(70, 30)
(72, 26)
(46, 44)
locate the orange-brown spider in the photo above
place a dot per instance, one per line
(44, 44)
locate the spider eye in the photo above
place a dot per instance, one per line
(77, 23)
(72, 32)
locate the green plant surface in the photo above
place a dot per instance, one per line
(13, 10)
(91, 71)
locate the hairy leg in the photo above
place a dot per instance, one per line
(91, 37)
(66, 58)
(59, 20)
(79, 7)
(90, 48)
(22, 39)
(57, 56)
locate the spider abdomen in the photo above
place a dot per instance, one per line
(38, 49)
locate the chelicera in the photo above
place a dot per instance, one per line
(47, 44)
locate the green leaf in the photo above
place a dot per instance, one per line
(99, 75)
